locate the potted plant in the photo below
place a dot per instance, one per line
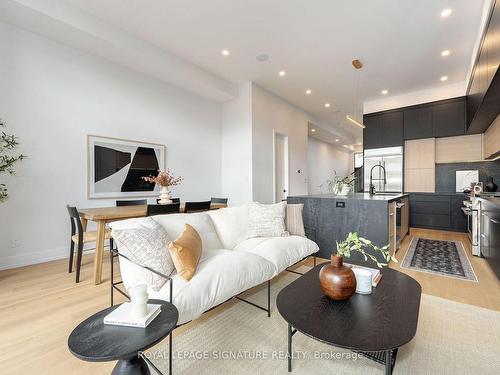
(339, 185)
(8, 143)
(342, 185)
(165, 179)
(338, 281)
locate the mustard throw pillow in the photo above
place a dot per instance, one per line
(186, 252)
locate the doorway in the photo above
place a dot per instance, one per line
(280, 167)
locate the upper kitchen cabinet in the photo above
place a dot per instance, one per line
(448, 118)
(444, 118)
(372, 134)
(383, 130)
(418, 123)
(392, 128)
(483, 92)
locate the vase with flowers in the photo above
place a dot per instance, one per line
(164, 179)
(338, 281)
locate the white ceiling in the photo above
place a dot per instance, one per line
(314, 41)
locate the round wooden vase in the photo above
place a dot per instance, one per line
(336, 280)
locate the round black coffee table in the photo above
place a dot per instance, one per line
(374, 325)
(94, 341)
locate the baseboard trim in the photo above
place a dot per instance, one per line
(36, 257)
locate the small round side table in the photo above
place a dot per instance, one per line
(94, 341)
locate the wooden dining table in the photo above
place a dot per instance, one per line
(103, 215)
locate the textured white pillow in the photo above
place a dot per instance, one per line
(266, 220)
(294, 219)
(146, 242)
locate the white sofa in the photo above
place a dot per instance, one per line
(230, 263)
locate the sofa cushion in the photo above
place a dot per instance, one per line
(282, 252)
(186, 252)
(231, 224)
(145, 242)
(201, 222)
(266, 220)
(294, 219)
(221, 275)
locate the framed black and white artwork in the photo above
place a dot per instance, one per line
(115, 167)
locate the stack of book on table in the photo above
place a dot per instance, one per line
(123, 316)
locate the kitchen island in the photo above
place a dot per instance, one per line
(329, 218)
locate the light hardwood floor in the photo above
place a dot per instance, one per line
(41, 304)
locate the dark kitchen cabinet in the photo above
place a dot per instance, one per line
(383, 130)
(458, 220)
(483, 92)
(490, 234)
(372, 134)
(437, 211)
(444, 118)
(392, 129)
(448, 119)
(418, 123)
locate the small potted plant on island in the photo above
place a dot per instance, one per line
(165, 179)
(338, 281)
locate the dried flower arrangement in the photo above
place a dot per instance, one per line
(164, 179)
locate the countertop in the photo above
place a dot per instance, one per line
(357, 196)
(439, 193)
(494, 200)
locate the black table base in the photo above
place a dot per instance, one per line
(387, 358)
(132, 366)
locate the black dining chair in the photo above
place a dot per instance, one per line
(219, 200)
(137, 202)
(163, 209)
(80, 237)
(197, 206)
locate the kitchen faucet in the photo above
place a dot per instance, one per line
(372, 186)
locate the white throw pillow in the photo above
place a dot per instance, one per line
(146, 242)
(231, 224)
(266, 220)
(200, 221)
(294, 219)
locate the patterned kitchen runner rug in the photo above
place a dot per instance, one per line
(447, 258)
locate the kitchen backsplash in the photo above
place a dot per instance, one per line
(445, 173)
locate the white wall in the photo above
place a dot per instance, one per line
(272, 114)
(323, 159)
(51, 97)
(237, 146)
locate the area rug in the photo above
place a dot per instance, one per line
(235, 338)
(447, 258)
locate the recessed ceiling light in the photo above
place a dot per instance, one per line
(282, 73)
(262, 57)
(336, 139)
(384, 92)
(444, 78)
(327, 105)
(446, 52)
(308, 92)
(225, 52)
(445, 12)
(313, 130)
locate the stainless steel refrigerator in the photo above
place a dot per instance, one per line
(391, 158)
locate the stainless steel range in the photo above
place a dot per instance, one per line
(472, 209)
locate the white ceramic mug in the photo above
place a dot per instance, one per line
(363, 281)
(139, 299)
